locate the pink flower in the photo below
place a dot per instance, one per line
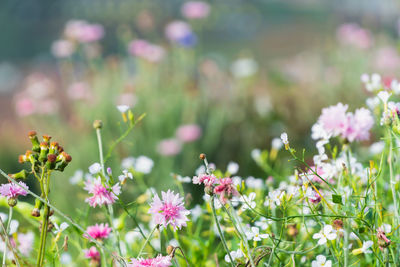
(24, 107)
(169, 210)
(207, 180)
(79, 90)
(92, 254)
(334, 118)
(102, 194)
(159, 261)
(169, 147)
(353, 35)
(177, 30)
(146, 50)
(188, 133)
(11, 190)
(98, 231)
(226, 190)
(91, 33)
(195, 10)
(62, 48)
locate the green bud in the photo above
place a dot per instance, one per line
(20, 175)
(34, 140)
(12, 202)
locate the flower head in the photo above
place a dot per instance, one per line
(98, 231)
(326, 234)
(159, 261)
(188, 133)
(364, 249)
(254, 234)
(169, 210)
(207, 180)
(320, 261)
(92, 254)
(226, 189)
(102, 194)
(12, 191)
(195, 9)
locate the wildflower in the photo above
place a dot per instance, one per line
(62, 48)
(232, 168)
(285, 141)
(95, 168)
(333, 118)
(159, 261)
(169, 147)
(207, 180)
(248, 201)
(352, 34)
(195, 9)
(244, 67)
(188, 133)
(263, 223)
(255, 183)
(234, 255)
(196, 212)
(126, 174)
(169, 210)
(98, 231)
(383, 241)
(60, 228)
(326, 234)
(313, 196)
(148, 51)
(102, 194)
(384, 96)
(12, 191)
(180, 32)
(274, 198)
(225, 190)
(320, 261)
(123, 108)
(185, 179)
(25, 243)
(276, 143)
(254, 234)
(364, 249)
(92, 254)
(143, 164)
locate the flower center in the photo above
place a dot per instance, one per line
(170, 211)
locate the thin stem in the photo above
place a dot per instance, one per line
(392, 182)
(147, 240)
(10, 212)
(219, 230)
(99, 142)
(7, 242)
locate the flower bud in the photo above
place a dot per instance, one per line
(12, 202)
(65, 159)
(20, 175)
(34, 140)
(53, 148)
(292, 230)
(337, 224)
(170, 249)
(44, 148)
(97, 124)
(46, 138)
(202, 156)
(35, 212)
(209, 190)
(51, 161)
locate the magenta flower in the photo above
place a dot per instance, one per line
(207, 180)
(159, 261)
(11, 190)
(98, 231)
(188, 133)
(226, 190)
(92, 254)
(102, 194)
(169, 210)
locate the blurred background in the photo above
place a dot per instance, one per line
(219, 77)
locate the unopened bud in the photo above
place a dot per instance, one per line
(44, 148)
(170, 249)
(34, 140)
(97, 124)
(51, 161)
(35, 212)
(12, 202)
(202, 156)
(46, 138)
(20, 175)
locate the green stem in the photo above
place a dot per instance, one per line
(220, 231)
(10, 212)
(147, 240)
(392, 182)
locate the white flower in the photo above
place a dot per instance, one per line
(196, 212)
(77, 177)
(255, 183)
(320, 261)
(126, 174)
(60, 228)
(263, 223)
(234, 254)
(384, 96)
(254, 234)
(387, 228)
(248, 201)
(13, 226)
(123, 108)
(276, 143)
(144, 164)
(65, 259)
(284, 138)
(255, 154)
(233, 167)
(95, 168)
(327, 234)
(244, 67)
(128, 162)
(364, 249)
(274, 198)
(185, 179)
(377, 148)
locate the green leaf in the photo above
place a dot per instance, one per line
(337, 199)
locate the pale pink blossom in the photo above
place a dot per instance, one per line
(62, 48)
(207, 180)
(177, 30)
(92, 254)
(24, 107)
(188, 133)
(101, 193)
(353, 35)
(98, 231)
(11, 190)
(195, 9)
(334, 118)
(159, 261)
(226, 190)
(169, 211)
(79, 91)
(169, 147)
(146, 50)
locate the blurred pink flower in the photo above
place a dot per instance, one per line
(62, 48)
(177, 30)
(387, 58)
(92, 254)
(146, 50)
(353, 35)
(79, 91)
(11, 190)
(226, 190)
(98, 231)
(127, 99)
(195, 10)
(334, 118)
(24, 106)
(82, 31)
(25, 243)
(188, 133)
(207, 180)
(169, 211)
(159, 261)
(47, 106)
(169, 147)
(102, 194)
